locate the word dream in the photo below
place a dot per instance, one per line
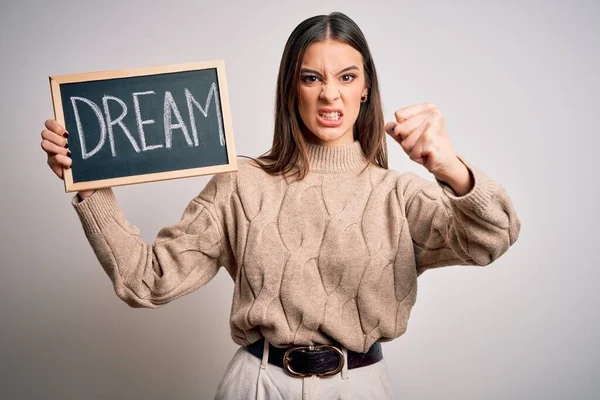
(172, 120)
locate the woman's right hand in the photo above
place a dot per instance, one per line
(55, 144)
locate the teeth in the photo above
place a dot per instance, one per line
(331, 115)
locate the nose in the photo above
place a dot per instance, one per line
(329, 92)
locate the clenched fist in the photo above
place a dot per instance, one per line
(421, 133)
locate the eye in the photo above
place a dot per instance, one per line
(348, 77)
(309, 78)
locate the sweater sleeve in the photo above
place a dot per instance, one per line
(183, 257)
(446, 229)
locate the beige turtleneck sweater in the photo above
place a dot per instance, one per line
(333, 256)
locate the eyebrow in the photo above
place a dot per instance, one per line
(350, 68)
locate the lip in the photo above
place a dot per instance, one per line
(330, 109)
(328, 123)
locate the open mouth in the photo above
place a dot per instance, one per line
(331, 116)
(330, 119)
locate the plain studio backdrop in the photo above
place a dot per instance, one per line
(517, 83)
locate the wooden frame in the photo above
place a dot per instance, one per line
(219, 65)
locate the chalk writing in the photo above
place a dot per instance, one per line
(172, 120)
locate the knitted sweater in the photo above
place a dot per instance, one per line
(333, 257)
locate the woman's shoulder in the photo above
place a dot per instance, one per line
(247, 163)
(248, 172)
(243, 165)
(379, 174)
(248, 168)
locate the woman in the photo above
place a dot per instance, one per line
(323, 241)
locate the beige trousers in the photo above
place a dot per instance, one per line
(248, 377)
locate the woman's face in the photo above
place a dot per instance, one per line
(331, 84)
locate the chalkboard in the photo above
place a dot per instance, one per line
(145, 124)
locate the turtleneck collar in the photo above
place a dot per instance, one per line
(337, 159)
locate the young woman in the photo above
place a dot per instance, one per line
(323, 241)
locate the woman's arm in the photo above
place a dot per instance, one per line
(184, 256)
(473, 229)
(459, 179)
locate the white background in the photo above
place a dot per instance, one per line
(518, 85)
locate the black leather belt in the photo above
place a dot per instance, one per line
(321, 360)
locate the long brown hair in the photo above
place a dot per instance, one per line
(289, 145)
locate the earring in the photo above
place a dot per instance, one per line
(363, 98)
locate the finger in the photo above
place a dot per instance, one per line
(59, 161)
(63, 161)
(416, 154)
(429, 149)
(408, 112)
(400, 131)
(52, 149)
(409, 143)
(54, 126)
(55, 138)
(390, 129)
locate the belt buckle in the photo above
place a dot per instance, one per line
(290, 371)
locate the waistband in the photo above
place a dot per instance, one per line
(320, 360)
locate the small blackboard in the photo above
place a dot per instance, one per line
(146, 124)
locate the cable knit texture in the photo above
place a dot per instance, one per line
(333, 257)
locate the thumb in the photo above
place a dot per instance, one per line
(390, 129)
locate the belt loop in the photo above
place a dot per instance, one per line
(265, 357)
(345, 367)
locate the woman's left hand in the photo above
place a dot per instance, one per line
(422, 135)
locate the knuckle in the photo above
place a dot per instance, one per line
(437, 116)
(427, 137)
